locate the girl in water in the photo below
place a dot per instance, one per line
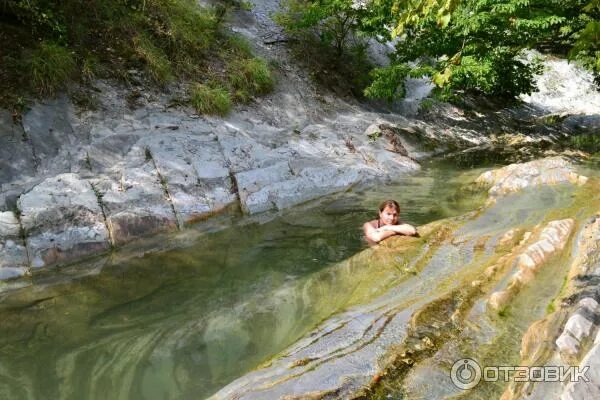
(388, 224)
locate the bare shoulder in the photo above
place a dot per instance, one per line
(370, 224)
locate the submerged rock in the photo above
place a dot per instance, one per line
(515, 177)
(552, 239)
(574, 325)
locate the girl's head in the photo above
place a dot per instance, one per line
(389, 212)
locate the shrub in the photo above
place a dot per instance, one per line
(210, 100)
(49, 66)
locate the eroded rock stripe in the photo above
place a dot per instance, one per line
(552, 240)
(570, 336)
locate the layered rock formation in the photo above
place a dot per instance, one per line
(471, 270)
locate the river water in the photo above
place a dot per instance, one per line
(184, 322)
(216, 301)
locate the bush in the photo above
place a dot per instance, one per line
(50, 66)
(210, 100)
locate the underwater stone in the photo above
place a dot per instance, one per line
(515, 177)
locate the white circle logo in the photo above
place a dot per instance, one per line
(465, 373)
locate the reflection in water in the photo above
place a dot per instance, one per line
(183, 323)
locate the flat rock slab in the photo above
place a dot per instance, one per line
(135, 204)
(63, 220)
(193, 170)
(286, 184)
(49, 130)
(340, 357)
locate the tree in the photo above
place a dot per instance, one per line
(473, 45)
(586, 45)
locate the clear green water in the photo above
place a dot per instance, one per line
(182, 323)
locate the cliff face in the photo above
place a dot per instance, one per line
(76, 182)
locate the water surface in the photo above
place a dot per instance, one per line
(183, 323)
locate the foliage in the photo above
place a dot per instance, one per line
(388, 82)
(471, 45)
(210, 100)
(586, 46)
(328, 33)
(155, 59)
(332, 21)
(167, 39)
(586, 142)
(462, 45)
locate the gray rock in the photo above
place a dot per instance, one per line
(63, 220)
(588, 388)
(135, 203)
(578, 326)
(567, 344)
(49, 129)
(16, 157)
(588, 304)
(194, 171)
(13, 255)
(253, 186)
(585, 123)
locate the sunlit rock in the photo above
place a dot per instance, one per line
(589, 387)
(567, 345)
(551, 239)
(579, 327)
(515, 177)
(193, 171)
(588, 304)
(63, 220)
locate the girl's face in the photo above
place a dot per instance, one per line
(389, 216)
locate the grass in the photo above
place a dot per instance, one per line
(250, 77)
(50, 66)
(46, 46)
(210, 100)
(157, 64)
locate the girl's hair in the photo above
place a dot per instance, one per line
(389, 203)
